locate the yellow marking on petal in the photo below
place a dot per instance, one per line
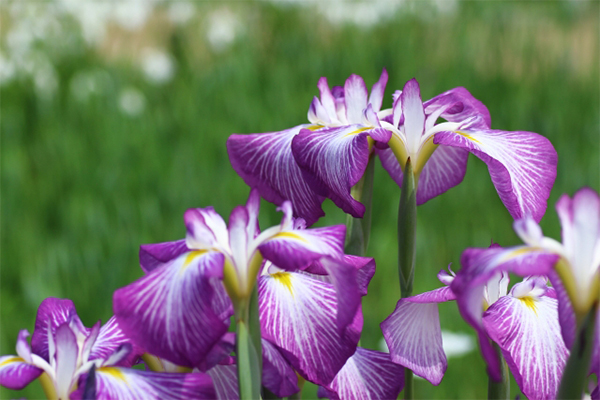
(114, 372)
(356, 132)
(11, 360)
(529, 302)
(193, 254)
(314, 127)
(471, 138)
(289, 235)
(285, 278)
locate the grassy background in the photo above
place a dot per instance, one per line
(84, 184)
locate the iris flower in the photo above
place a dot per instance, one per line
(63, 350)
(308, 291)
(522, 322)
(573, 267)
(309, 162)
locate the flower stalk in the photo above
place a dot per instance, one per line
(248, 348)
(359, 229)
(499, 390)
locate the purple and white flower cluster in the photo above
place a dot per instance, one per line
(170, 336)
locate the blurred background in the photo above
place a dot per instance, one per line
(114, 119)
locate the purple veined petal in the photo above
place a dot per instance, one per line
(368, 374)
(595, 395)
(365, 269)
(110, 338)
(205, 229)
(528, 333)
(132, 384)
(89, 341)
(413, 112)
(23, 348)
(414, 337)
(52, 312)
(265, 162)
(317, 114)
(298, 314)
(170, 311)
(595, 364)
(522, 165)
(355, 98)
(380, 135)
(439, 295)
(15, 373)
(155, 255)
(220, 351)
(253, 207)
(390, 163)
(328, 100)
(66, 359)
(278, 375)
(296, 249)
(225, 381)
(370, 116)
(566, 313)
(580, 222)
(377, 91)
(445, 169)
(481, 265)
(458, 105)
(332, 161)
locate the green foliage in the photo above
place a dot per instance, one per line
(84, 184)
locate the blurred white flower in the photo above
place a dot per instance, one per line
(84, 84)
(457, 344)
(180, 12)
(359, 13)
(132, 14)
(158, 66)
(132, 102)
(45, 80)
(92, 16)
(223, 27)
(7, 69)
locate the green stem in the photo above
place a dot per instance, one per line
(576, 371)
(359, 229)
(48, 386)
(500, 390)
(248, 348)
(407, 232)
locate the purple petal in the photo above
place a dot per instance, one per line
(15, 373)
(110, 339)
(225, 381)
(439, 295)
(566, 313)
(365, 269)
(296, 249)
(298, 314)
(414, 337)
(206, 229)
(278, 375)
(52, 312)
(445, 169)
(377, 92)
(412, 110)
(355, 98)
(265, 162)
(332, 161)
(327, 100)
(124, 383)
(522, 165)
(170, 311)
(390, 163)
(66, 359)
(368, 374)
(23, 348)
(527, 331)
(220, 351)
(457, 105)
(155, 255)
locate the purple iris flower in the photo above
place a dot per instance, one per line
(346, 116)
(573, 267)
(309, 292)
(522, 322)
(62, 349)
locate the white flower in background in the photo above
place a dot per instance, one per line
(132, 102)
(457, 344)
(180, 12)
(92, 16)
(7, 69)
(132, 15)
(158, 66)
(85, 84)
(223, 27)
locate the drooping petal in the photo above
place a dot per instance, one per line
(169, 312)
(15, 373)
(479, 266)
(332, 161)
(457, 105)
(368, 374)
(155, 255)
(132, 384)
(52, 313)
(225, 381)
(390, 163)
(298, 314)
(365, 269)
(296, 249)
(355, 98)
(109, 339)
(445, 169)
(220, 352)
(522, 165)
(206, 229)
(377, 91)
(278, 375)
(414, 337)
(265, 162)
(528, 333)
